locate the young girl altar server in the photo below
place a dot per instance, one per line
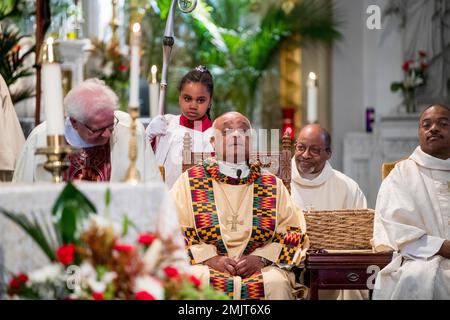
(195, 96)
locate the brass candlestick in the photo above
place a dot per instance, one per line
(132, 175)
(56, 152)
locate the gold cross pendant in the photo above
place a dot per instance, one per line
(234, 222)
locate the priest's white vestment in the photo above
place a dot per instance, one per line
(330, 190)
(11, 134)
(412, 217)
(30, 166)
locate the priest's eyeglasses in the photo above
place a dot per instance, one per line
(314, 151)
(98, 132)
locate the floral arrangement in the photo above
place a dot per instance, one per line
(415, 77)
(112, 66)
(91, 260)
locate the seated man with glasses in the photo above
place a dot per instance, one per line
(101, 134)
(315, 185)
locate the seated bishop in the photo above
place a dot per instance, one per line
(244, 236)
(101, 134)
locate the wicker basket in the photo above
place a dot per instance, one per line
(349, 229)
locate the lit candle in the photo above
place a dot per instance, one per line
(134, 66)
(153, 89)
(52, 92)
(312, 97)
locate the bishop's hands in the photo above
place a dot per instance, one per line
(222, 264)
(243, 267)
(249, 265)
(157, 127)
(444, 251)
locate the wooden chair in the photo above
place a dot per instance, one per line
(277, 162)
(387, 167)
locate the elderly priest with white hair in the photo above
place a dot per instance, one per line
(412, 216)
(100, 132)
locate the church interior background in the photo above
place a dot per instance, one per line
(261, 55)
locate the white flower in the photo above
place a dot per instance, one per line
(50, 273)
(150, 285)
(108, 69)
(152, 256)
(90, 278)
(102, 223)
(419, 81)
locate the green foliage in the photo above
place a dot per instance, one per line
(12, 64)
(38, 231)
(71, 209)
(237, 40)
(9, 8)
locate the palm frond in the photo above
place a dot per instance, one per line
(12, 65)
(34, 229)
(71, 209)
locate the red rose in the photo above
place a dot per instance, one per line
(171, 272)
(66, 254)
(14, 284)
(146, 239)
(422, 54)
(22, 277)
(122, 68)
(423, 65)
(17, 281)
(406, 65)
(98, 296)
(123, 247)
(144, 295)
(195, 281)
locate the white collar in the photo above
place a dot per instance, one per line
(72, 136)
(425, 160)
(230, 169)
(324, 175)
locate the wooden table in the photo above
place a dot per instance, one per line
(342, 270)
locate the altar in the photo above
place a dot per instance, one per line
(148, 207)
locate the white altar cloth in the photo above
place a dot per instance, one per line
(148, 206)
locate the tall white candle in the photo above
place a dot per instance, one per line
(52, 92)
(135, 41)
(312, 97)
(153, 89)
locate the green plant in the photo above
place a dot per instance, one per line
(238, 39)
(12, 65)
(109, 268)
(71, 208)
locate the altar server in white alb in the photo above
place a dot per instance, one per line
(317, 186)
(101, 134)
(166, 132)
(412, 216)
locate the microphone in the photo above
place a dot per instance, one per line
(238, 173)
